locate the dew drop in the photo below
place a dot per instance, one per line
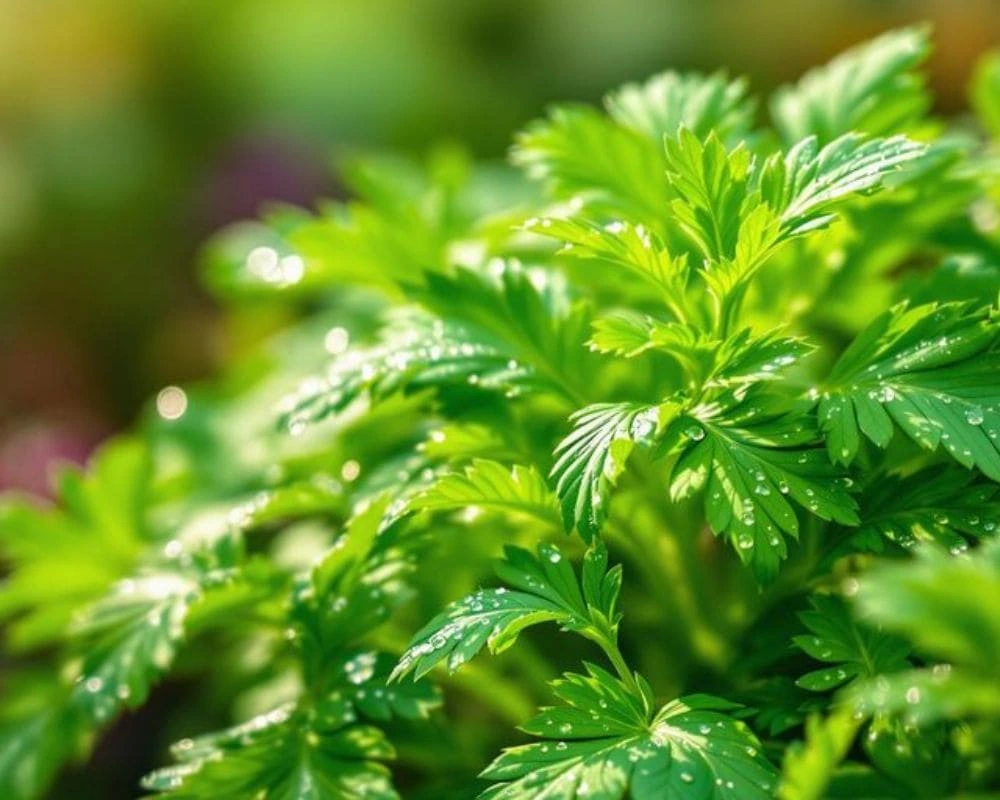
(941, 671)
(350, 470)
(695, 433)
(171, 403)
(336, 340)
(974, 416)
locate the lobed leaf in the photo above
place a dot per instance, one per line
(603, 744)
(63, 558)
(930, 371)
(750, 468)
(579, 152)
(806, 185)
(942, 504)
(810, 765)
(592, 457)
(545, 589)
(857, 651)
(488, 484)
(871, 88)
(936, 601)
(663, 104)
(319, 755)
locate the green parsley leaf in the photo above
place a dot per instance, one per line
(631, 247)
(936, 602)
(870, 88)
(592, 457)
(856, 650)
(544, 589)
(663, 104)
(61, 559)
(603, 744)
(750, 468)
(942, 504)
(579, 152)
(711, 183)
(930, 371)
(810, 765)
(319, 754)
(807, 184)
(134, 634)
(490, 485)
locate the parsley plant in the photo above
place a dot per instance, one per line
(716, 392)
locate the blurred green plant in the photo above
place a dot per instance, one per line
(735, 371)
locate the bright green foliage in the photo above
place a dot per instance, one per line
(937, 604)
(749, 468)
(931, 370)
(810, 765)
(545, 589)
(689, 748)
(135, 632)
(487, 484)
(725, 393)
(316, 754)
(581, 153)
(871, 88)
(125, 643)
(836, 638)
(702, 104)
(593, 456)
(946, 505)
(507, 336)
(807, 185)
(736, 211)
(73, 554)
(713, 201)
(624, 246)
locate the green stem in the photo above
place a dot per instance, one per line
(607, 640)
(618, 661)
(672, 555)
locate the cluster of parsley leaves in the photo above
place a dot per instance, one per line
(723, 388)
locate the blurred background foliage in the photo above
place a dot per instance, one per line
(131, 130)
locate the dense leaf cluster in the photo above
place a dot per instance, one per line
(723, 389)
